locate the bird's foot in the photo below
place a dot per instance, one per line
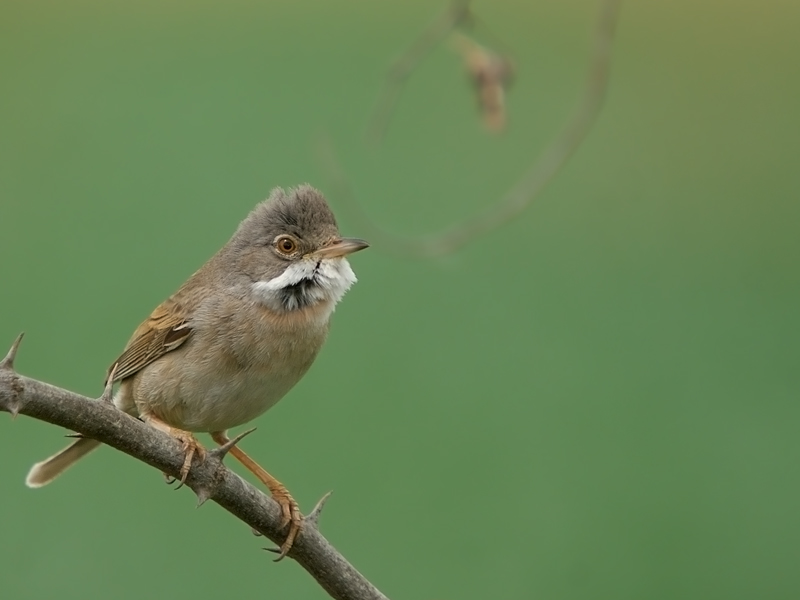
(291, 517)
(290, 511)
(190, 445)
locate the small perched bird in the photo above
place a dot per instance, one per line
(236, 337)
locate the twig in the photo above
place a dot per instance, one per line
(456, 13)
(209, 479)
(530, 185)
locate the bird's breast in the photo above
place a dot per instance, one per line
(225, 377)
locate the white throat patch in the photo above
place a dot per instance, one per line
(306, 283)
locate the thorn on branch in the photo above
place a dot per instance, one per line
(203, 494)
(77, 436)
(13, 409)
(10, 402)
(107, 395)
(223, 450)
(8, 362)
(312, 520)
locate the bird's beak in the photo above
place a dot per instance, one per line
(341, 247)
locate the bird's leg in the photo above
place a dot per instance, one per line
(186, 438)
(291, 511)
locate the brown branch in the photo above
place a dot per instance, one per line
(455, 14)
(210, 480)
(532, 182)
(491, 73)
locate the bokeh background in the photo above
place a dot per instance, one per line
(599, 400)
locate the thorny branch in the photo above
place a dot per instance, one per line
(210, 479)
(532, 182)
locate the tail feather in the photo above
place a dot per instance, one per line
(44, 472)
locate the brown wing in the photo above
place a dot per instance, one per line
(163, 331)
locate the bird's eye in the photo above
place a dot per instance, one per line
(286, 245)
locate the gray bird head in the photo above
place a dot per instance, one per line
(290, 248)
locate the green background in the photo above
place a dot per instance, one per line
(599, 400)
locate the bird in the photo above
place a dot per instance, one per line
(235, 337)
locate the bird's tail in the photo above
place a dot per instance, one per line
(44, 472)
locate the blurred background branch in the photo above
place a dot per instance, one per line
(532, 182)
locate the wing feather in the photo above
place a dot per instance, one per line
(166, 329)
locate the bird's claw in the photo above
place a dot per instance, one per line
(291, 517)
(190, 447)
